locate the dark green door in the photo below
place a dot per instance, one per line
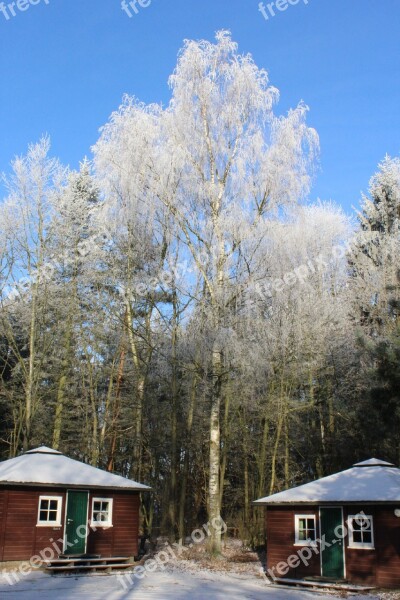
(332, 556)
(76, 522)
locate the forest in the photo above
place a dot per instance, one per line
(178, 310)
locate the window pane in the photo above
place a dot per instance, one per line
(367, 537)
(360, 521)
(366, 524)
(44, 505)
(357, 537)
(311, 535)
(53, 504)
(100, 516)
(362, 527)
(53, 515)
(102, 511)
(43, 515)
(306, 528)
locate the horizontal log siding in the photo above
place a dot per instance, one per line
(379, 566)
(281, 540)
(122, 538)
(21, 539)
(387, 542)
(361, 564)
(3, 508)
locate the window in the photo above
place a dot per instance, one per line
(102, 512)
(306, 530)
(361, 531)
(50, 511)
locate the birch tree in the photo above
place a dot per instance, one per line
(236, 162)
(220, 162)
(188, 317)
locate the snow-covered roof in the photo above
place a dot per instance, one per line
(369, 481)
(44, 466)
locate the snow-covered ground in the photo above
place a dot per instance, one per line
(174, 585)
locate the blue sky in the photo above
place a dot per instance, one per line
(66, 64)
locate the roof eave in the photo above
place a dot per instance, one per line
(143, 488)
(326, 502)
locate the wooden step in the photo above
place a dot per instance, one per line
(88, 563)
(102, 567)
(64, 561)
(85, 555)
(323, 585)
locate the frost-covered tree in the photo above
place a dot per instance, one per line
(73, 246)
(221, 163)
(375, 283)
(375, 257)
(28, 206)
(139, 236)
(188, 317)
(237, 163)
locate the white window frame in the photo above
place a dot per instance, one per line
(56, 523)
(360, 545)
(109, 522)
(299, 542)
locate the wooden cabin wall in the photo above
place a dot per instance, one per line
(122, 538)
(281, 538)
(21, 539)
(379, 566)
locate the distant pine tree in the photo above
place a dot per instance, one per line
(376, 251)
(375, 265)
(385, 393)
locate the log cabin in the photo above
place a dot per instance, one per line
(53, 505)
(344, 528)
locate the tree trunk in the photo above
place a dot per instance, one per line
(281, 420)
(287, 452)
(224, 450)
(186, 462)
(215, 440)
(116, 412)
(139, 399)
(62, 384)
(174, 424)
(29, 385)
(262, 458)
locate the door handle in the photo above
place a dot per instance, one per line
(70, 521)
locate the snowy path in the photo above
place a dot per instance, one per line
(157, 586)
